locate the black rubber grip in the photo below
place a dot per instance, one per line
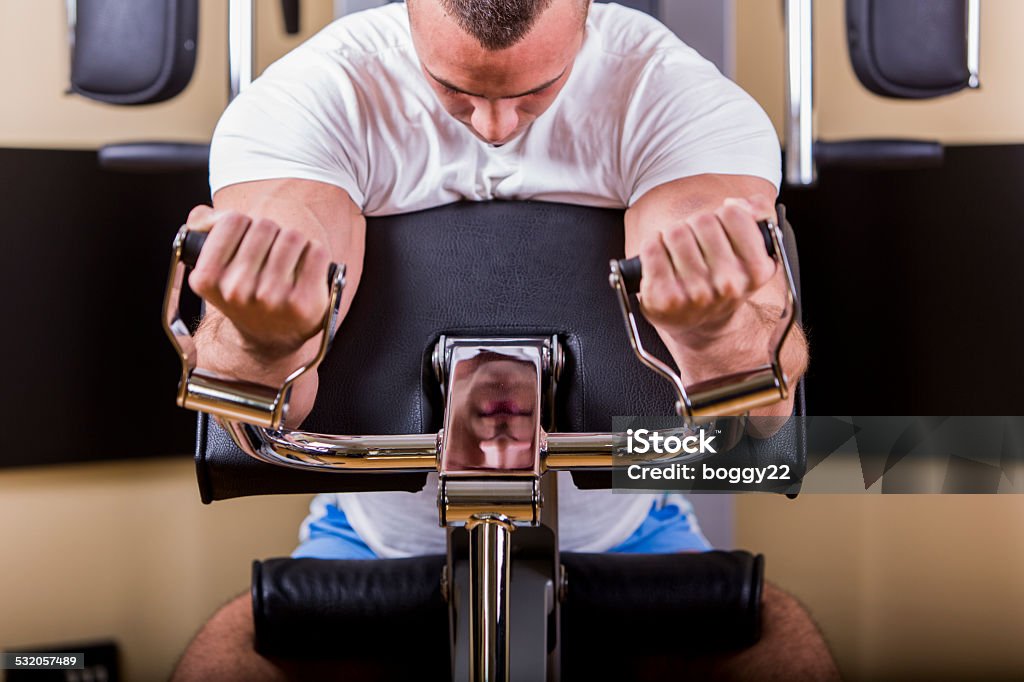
(154, 157)
(879, 154)
(631, 270)
(193, 245)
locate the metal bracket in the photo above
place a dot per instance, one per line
(732, 394)
(232, 399)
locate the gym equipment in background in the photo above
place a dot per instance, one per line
(908, 49)
(134, 52)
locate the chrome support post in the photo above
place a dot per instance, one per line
(489, 577)
(973, 42)
(241, 38)
(496, 391)
(799, 126)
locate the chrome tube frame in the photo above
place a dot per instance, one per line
(973, 43)
(490, 569)
(799, 124)
(241, 42)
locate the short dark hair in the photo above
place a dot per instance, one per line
(498, 24)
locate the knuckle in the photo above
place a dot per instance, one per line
(730, 213)
(235, 291)
(678, 235)
(263, 227)
(666, 300)
(318, 251)
(198, 213)
(701, 295)
(291, 239)
(649, 248)
(231, 217)
(201, 282)
(730, 286)
(705, 221)
(271, 296)
(763, 272)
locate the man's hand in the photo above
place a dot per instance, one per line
(269, 282)
(699, 272)
(709, 287)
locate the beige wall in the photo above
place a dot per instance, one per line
(37, 114)
(846, 110)
(127, 551)
(904, 586)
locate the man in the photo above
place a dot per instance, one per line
(399, 109)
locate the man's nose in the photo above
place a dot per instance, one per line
(494, 120)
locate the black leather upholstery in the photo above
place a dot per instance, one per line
(680, 603)
(136, 52)
(502, 268)
(643, 604)
(313, 608)
(908, 48)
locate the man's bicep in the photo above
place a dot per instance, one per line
(319, 210)
(673, 202)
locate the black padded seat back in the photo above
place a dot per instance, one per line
(471, 269)
(136, 52)
(909, 49)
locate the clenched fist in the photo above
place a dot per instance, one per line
(699, 272)
(267, 280)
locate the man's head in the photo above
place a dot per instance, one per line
(496, 65)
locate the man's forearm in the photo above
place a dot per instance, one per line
(222, 350)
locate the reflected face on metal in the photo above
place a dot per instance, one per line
(493, 412)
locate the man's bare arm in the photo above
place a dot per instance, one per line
(709, 288)
(263, 273)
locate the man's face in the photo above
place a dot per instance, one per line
(497, 94)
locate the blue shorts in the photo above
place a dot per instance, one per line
(670, 526)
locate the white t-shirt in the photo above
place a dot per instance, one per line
(352, 108)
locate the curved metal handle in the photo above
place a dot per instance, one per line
(231, 399)
(728, 395)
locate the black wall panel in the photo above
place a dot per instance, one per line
(88, 373)
(914, 286)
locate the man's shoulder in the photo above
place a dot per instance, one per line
(365, 33)
(354, 53)
(629, 32)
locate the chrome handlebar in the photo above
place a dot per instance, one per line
(409, 453)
